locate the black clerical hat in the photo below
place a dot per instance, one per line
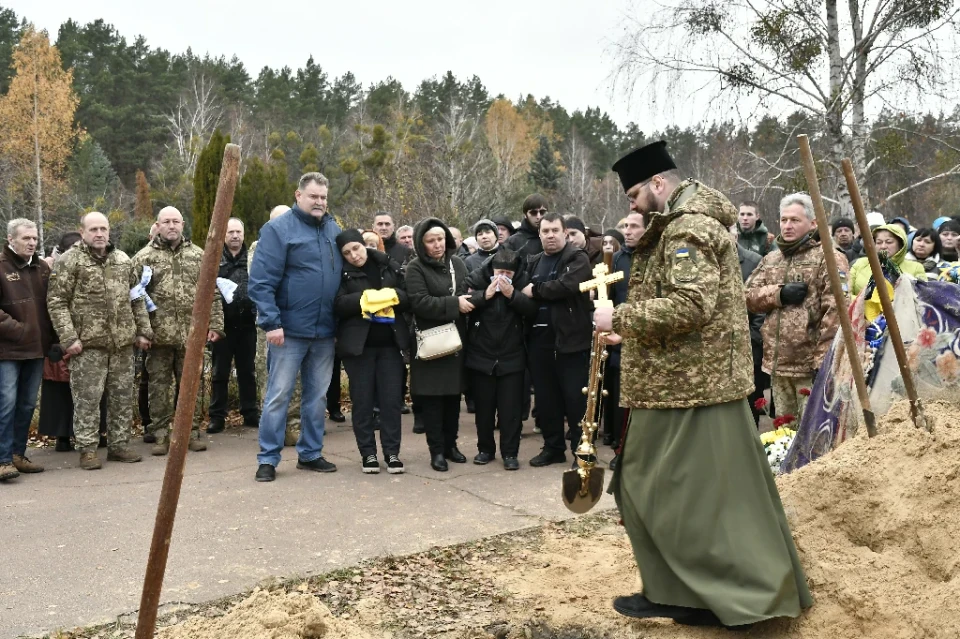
(643, 163)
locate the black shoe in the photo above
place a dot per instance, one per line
(252, 422)
(64, 445)
(103, 442)
(613, 463)
(510, 463)
(266, 472)
(394, 465)
(437, 462)
(319, 464)
(639, 607)
(471, 406)
(484, 458)
(405, 410)
(216, 426)
(371, 465)
(337, 416)
(149, 438)
(418, 426)
(547, 457)
(608, 439)
(455, 455)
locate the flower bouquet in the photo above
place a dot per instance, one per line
(776, 443)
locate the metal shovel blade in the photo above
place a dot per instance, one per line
(580, 496)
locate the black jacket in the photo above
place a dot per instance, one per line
(352, 328)
(570, 310)
(495, 329)
(748, 262)
(476, 260)
(434, 304)
(526, 240)
(397, 251)
(241, 312)
(622, 261)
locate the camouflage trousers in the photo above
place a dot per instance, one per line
(293, 413)
(164, 369)
(787, 398)
(93, 372)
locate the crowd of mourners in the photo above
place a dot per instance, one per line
(308, 300)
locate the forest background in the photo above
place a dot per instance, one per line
(94, 120)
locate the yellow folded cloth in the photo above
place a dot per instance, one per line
(377, 304)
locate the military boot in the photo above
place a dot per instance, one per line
(161, 448)
(24, 465)
(124, 455)
(196, 445)
(90, 461)
(8, 471)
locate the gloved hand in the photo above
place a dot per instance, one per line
(793, 293)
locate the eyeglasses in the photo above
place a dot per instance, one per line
(541, 212)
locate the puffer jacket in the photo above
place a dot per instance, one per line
(495, 329)
(89, 300)
(686, 342)
(796, 338)
(173, 288)
(860, 272)
(352, 329)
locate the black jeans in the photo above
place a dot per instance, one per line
(375, 377)
(612, 413)
(499, 398)
(441, 418)
(335, 389)
(761, 382)
(558, 382)
(240, 346)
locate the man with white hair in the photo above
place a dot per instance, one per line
(792, 288)
(168, 269)
(25, 337)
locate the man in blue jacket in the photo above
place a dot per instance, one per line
(293, 281)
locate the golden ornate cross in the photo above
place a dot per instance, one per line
(602, 278)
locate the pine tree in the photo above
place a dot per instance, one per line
(261, 188)
(544, 172)
(205, 181)
(144, 208)
(92, 179)
(36, 116)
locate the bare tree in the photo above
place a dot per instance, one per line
(838, 63)
(197, 115)
(578, 186)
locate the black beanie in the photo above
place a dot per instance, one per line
(350, 235)
(615, 234)
(574, 222)
(841, 223)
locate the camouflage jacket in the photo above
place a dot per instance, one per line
(89, 300)
(686, 341)
(173, 287)
(795, 338)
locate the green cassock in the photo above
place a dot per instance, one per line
(704, 517)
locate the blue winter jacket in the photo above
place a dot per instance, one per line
(295, 275)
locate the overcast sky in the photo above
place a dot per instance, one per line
(544, 47)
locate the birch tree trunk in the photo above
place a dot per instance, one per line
(36, 163)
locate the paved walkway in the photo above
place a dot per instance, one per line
(74, 543)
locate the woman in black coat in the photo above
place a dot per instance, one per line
(370, 347)
(436, 287)
(496, 353)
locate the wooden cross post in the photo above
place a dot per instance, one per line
(602, 278)
(187, 399)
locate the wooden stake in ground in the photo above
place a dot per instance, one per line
(826, 239)
(916, 407)
(187, 399)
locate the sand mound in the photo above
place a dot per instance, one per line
(876, 523)
(269, 615)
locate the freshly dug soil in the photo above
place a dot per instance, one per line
(876, 523)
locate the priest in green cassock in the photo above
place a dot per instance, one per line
(693, 485)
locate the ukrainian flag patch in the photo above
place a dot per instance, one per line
(682, 253)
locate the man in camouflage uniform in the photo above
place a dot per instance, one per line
(693, 485)
(792, 287)
(293, 413)
(91, 310)
(175, 269)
